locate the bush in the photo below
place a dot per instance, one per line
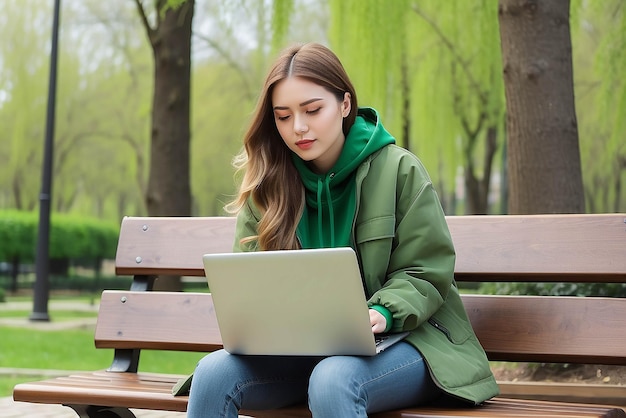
(71, 237)
(556, 289)
(3, 297)
(18, 236)
(82, 284)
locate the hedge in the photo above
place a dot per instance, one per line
(71, 237)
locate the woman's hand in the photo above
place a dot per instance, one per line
(378, 321)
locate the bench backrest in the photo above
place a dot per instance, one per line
(563, 248)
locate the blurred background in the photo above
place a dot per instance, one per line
(435, 64)
(145, 127)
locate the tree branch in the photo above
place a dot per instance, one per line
(230, 60)
(463, 62)
(144, 19)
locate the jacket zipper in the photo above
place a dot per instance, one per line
(440, 328)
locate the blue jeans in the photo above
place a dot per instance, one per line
(337, 386)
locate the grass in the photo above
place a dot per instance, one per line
(74, 350)
(27, 348)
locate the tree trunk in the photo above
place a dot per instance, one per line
(477, 189)
(169, 190)
(543, 155)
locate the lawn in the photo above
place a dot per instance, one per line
(26, 348)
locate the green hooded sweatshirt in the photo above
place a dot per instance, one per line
(330, 207)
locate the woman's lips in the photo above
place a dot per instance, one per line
(305, 143)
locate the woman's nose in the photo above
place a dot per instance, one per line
(300, 125)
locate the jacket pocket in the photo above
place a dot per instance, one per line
(375, 229)
(456, 329)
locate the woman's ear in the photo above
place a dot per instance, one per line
(346, 104)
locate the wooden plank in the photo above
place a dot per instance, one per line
(180, 321)
(151, 391)
(134, 390)
(497, 407)
(606, 394)
(563, 248)
(171, 245)
(553, 329)
(510, 328)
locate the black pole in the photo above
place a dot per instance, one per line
(40, 301)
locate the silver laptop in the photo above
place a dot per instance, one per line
(302, 302)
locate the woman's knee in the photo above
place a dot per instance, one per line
(335, 379)
(213, 365)
(216, 375)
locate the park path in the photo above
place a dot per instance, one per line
(11, 409)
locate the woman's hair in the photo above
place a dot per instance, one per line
(271, 179)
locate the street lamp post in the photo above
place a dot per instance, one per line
(41, 291)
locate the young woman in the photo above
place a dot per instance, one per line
(321, 172)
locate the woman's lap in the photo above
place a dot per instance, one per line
(225, 383)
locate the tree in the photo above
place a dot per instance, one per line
(436, 81)
(599, 56)
(23, 85)
(169, 189)
(543, 155)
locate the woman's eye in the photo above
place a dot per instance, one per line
(281, 118)
(314, 111)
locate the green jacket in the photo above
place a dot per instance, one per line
(407, 260)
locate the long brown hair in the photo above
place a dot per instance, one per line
(271, 180)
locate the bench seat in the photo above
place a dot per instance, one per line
(153, 391)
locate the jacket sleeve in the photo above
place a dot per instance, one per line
(421, 261)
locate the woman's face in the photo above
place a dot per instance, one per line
(309, 119)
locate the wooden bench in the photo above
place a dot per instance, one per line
(544, 248)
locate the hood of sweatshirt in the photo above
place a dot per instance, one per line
(331, 197)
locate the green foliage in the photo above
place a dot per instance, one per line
(174, 4)
(435, 66)
(453, 69)
(3, 295)
(71, 236)
(555, 289)
(281, 14)
(599, 46)
(82, 284)
(18, 235)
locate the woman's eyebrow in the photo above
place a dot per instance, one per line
(315, 99)
(307, 102)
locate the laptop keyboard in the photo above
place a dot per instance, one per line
(378, 339)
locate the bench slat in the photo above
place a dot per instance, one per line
(157, 320)
(555, 329)
(113, 389)
(171, 245)
(497, 407)
(572, 248)
(565, 392)
(562, 248)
